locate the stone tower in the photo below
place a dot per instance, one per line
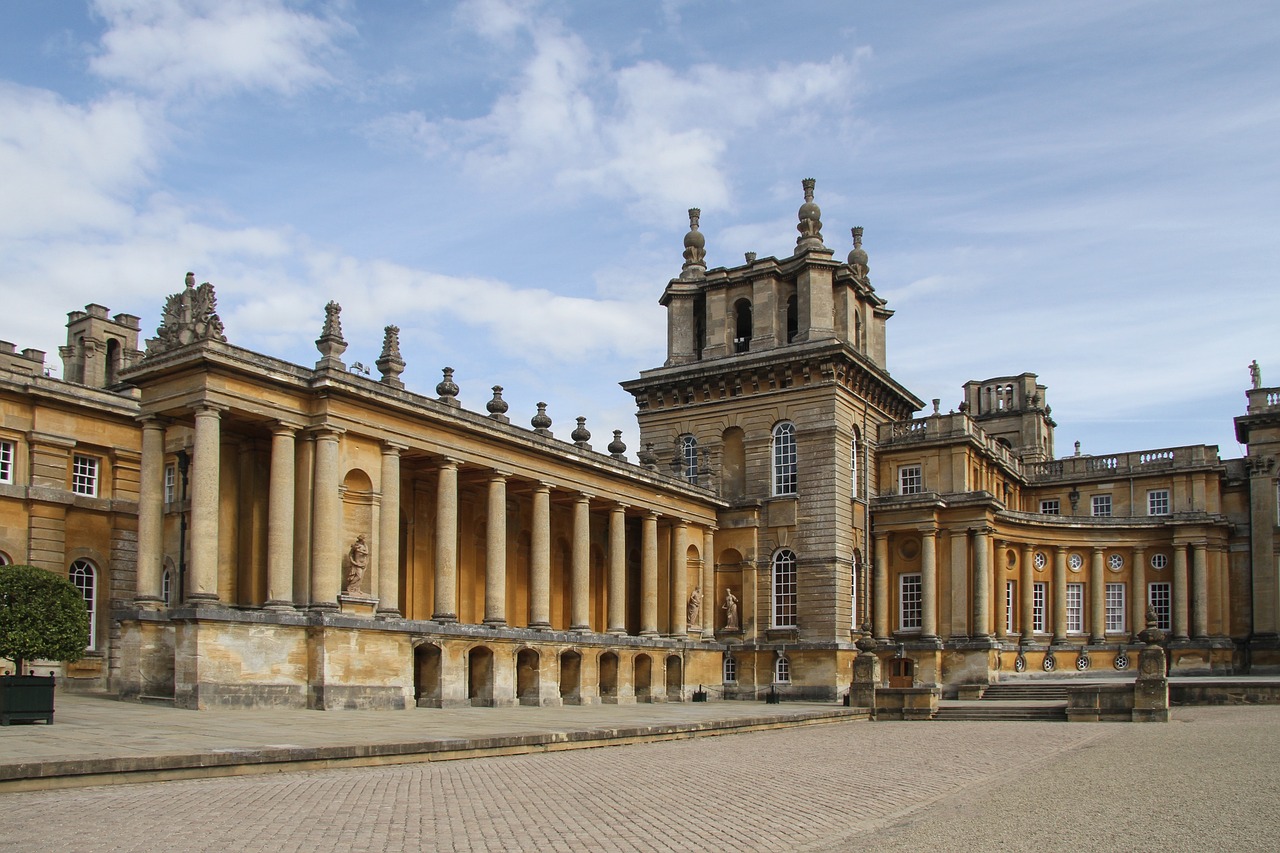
(99, 346)
(773, 390)
(1012, 410)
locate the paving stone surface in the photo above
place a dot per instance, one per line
(1209, 780)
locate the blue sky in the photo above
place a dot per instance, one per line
(1087, 191)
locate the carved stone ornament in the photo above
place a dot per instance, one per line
(617, 447)
(354, 566)
(190, 315)
(390, 364)
(497, 407)
(695, 248)
(810, 215)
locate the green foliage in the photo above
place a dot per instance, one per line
(42, 616)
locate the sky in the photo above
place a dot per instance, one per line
(1087, 191)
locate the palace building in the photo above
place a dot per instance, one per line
(249, 532)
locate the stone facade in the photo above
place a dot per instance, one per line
(261, 533)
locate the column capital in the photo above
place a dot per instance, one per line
(541, 487)
(1098, 549)
(652, 514)
(152, 421)
(208, 409)
(880, 535)
(285, 428)
(323, 431)
(619, 506)
(583, 497)
(983, 529)
(498, 475)
(448, 462)
(1061, 550)
(928, 530)
(393, 448)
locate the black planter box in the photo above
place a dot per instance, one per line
(26, 697)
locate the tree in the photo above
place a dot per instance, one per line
(42, 616)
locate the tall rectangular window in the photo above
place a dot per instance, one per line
(1115, 608)
(1075, 608)
(1102, 506)
(1010, 596)
(910, 480)
(785, 459)
(1038, 592)
(1158, 502)
(784, 589)
(6, 461)
(1051, 507)
(910, 600)
(170, 483)
(84, 475)
(1158, 600)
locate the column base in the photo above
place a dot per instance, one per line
(278, 604)
(540, 626)
(203, 599)
(444, 617)
(581, 629)
(323, 605)
(650, 633)
(390, 613)
(149, 602)
(495, 623)
(618, 632)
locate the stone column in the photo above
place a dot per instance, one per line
(880, 613)
(617, 569)
(495, 568)
(1097, 598)
(304, 468)
(709, 583)
(1059, 594)
(1028, 593)
(580, 571)
(1199, 591)
(1179, 603)
(326, 523)
(1138, 600)
(929, 583)
(982, 582)
(649, 575)
(679, 578)
(151, 515)
(389, 532)
(540, 559)
(205, 470)
(280, 493)
(1001, 602)
(446, 606)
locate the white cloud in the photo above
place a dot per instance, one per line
(647, 134)
(212, 46)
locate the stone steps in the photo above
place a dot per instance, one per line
(1003, 713)
(1026, 692)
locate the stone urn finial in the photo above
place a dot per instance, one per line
(695, 248)
(647, 457)
(810, 225)
(618, 449)
(541, 422)
(447, 389)
(581, 435)
(497, 407)
(330, 343)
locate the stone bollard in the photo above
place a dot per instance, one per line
(1151, 688)
(866, 674)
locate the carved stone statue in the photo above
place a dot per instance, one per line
(695, 606)
(1255, 374)
(188, 316)
(355, 564)
(730, 608)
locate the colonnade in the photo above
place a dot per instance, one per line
(321, 551)
(1188, 579)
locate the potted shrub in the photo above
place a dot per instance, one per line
(42, 617)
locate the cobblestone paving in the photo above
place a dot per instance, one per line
(854, 785)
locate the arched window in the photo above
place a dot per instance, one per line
(858, 342)
(793, 317)
(113, 361)
(742, 326)
(85, 577)
(782, 670)
(689, 455)
(784, 459)
(730, 668)
(166, 588)
(784, 589)
(4, 559)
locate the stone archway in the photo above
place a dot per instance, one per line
(480, 677)
(675, 679)
(528, 678)
(644, 678)
(571, 678)
(609, 677)
(426, 675)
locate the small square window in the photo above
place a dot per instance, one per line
(1158, 502)
(1102, 506)
(84, 476)
(910, 480)
(1052, 507)
(6, 461)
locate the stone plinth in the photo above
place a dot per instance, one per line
(1151, 689)
(357, 605)
(866, 680)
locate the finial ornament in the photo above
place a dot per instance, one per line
(188, 316)
(695, 248)
(497, 407)
(810, 225)
(858, 256)
(617, 448)
(541, 422)
(330, 343)
(581, 435)
(448, 389)
(390, 364)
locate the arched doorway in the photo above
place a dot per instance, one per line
(609, 677)
(426, 675)
(675, 679)
(644, 678)
(527, 677)
(480, 677)
(571, 678)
